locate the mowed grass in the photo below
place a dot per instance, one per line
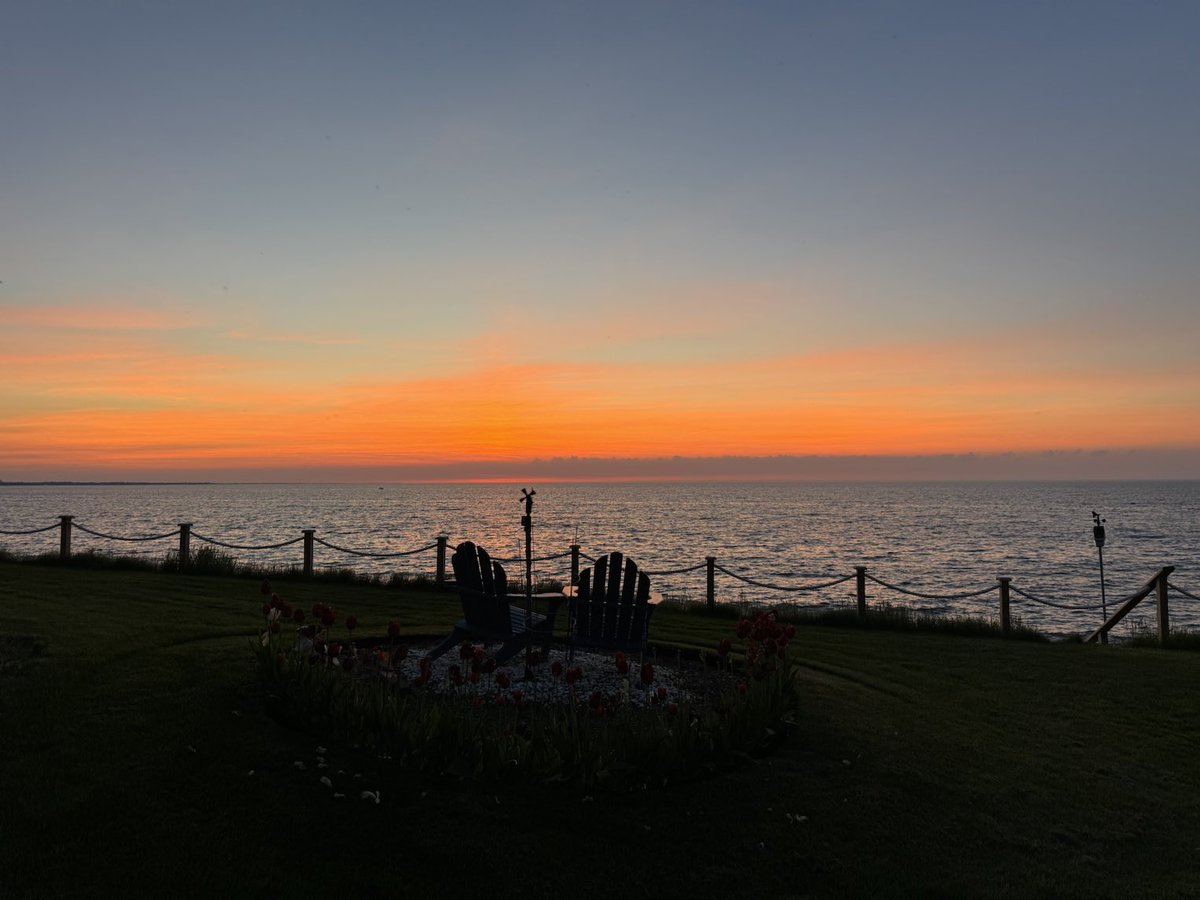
(921, 766)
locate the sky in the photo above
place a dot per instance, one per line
(408, 241)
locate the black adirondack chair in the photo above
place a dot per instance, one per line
(488, 616)
(611, 607)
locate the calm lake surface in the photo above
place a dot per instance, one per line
(941, 538)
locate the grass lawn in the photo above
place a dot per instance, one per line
(922, 765)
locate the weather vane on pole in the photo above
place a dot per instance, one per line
(1098, 537)
(527, 523)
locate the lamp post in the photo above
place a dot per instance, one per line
(1098, 537)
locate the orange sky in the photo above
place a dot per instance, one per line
(388, 238)
(108, 390)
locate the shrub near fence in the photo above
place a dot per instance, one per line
(1159, 584)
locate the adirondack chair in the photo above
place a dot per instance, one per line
(611, 607)
(488, 616)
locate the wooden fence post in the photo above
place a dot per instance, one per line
(574, 565)
(185, 544)
(1005, 597)
(712, 581)
(308, 551)
(64, 537)
(440, 574)
(1164, 618)
(860, 588)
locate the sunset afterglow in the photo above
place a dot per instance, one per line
(604, 234)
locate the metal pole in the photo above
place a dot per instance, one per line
(1098, 537)
(527, 522)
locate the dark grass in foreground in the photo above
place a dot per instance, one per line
(922, 765)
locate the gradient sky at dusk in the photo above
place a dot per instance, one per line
(385, 240)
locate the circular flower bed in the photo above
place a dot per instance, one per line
(597, 719)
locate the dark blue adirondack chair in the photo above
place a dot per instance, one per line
(611, 607)
(488, 616)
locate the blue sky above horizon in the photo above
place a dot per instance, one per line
(397, 234)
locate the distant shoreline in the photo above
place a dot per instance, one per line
(96, 483)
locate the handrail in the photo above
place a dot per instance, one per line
(1133, 600)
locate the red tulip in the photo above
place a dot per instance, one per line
(647, 673)
(266, 609)
(503, 679)
(661, 693)
(724, 647)
(596, 700)
(518, 696)
(672, 708)
(351, 622)
(790, 631)
(743, 629)
(535, 657)
(426, 663)
(556, 668)
(489, 665)
(466, 651)
(328, 617)
(473, 677)
(574, 674)
(335, 650)
(742, 688)
(501, 699)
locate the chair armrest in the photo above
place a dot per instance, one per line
(552, 600)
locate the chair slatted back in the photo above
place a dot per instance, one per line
(612, 604)
(482, 589)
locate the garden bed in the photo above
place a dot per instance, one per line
(595, 719)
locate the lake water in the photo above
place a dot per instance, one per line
(941, 538)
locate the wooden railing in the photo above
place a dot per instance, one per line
(1156, 585)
